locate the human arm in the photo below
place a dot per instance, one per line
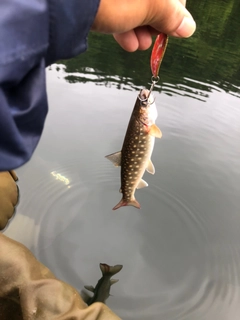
(37, 33)
(34, 34)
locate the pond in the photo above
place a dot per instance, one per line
(180, 252)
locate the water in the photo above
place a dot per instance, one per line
(180, 252)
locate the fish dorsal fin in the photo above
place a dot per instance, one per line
(115, 158)
(112, 281)
(150, 167)
(142, 184)
(89, 288)
(155, 131)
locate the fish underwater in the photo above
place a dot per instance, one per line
(102, 290)
(135, 156)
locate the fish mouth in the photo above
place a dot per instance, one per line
(145, 97)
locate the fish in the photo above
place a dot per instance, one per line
(157, 54)
(102, 290)
(135, 156)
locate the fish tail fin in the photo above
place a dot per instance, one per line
(123, 203)
(110, 270)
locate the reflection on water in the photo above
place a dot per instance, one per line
(181, 250)
(58, 176)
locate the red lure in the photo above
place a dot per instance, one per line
(158, 53)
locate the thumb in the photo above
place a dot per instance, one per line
(175, 20)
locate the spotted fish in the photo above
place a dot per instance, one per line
(102, 290)
(135, 156)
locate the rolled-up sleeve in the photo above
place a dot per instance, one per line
(34, 34)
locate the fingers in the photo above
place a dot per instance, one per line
(127, 40)
(134, 22)
(138, 39)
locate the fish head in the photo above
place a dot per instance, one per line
(147, 110)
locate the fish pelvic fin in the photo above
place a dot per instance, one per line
(142, 184)
(124, 203)
(89, 288)
(110, 270)
(155, 131)
(115, 158)
(150, 167)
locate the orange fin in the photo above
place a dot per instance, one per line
(155, 131)
(123, 203)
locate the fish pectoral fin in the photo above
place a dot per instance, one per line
(89, 288)
(150, 167)
(115, 158)
(155, 131)
(112, 281)
(142, 184)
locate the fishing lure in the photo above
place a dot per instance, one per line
(158, 51)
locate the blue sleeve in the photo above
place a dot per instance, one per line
(34, 34)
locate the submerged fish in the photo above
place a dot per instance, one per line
(135, 156)
(102, 290)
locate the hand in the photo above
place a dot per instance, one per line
(8, 196)
(134, 22)
(29, 290)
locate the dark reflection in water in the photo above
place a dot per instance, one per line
(180, 252)
(211, 57)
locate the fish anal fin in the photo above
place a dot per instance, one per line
(155, 131)
(142, 184)
(112, 281)
(115, 158)
(123, 203)
(89, 288)
(150, 167)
